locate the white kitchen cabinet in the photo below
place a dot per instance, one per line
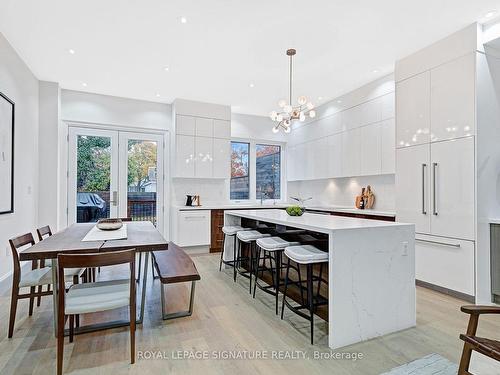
(184, 156)
(222, 129)
(371, 157)
(388, 102)
(351, 149)
(300, 161)
(204, 127)
(334, 155)
(221, 158)
(445, 262)
(453, 99)
(452, 190)
(319, 154)
(193, 228)
(204, 157)
(413, 187)
(290, 163)
(388, 146)
(413, 110)
(185, 125)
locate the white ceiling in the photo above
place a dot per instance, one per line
(121, 47)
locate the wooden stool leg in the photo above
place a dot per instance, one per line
(32, 300)
(257, 267)
(39, 298)
(13, 308)
(467, 351)
(71, 327)
(277, 277)
(310, 298)
(235, 254)
(286, 286)
(222, 250)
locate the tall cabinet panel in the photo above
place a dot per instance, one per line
(413, 187)
(452, 200)
(204, 157)
(184, 156)
(413, 110)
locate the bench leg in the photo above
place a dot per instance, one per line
(178, 314)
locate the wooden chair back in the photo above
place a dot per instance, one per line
(111, 258)
(43, 231)
(17, 243)
(126, 219)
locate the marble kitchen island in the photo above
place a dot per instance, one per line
(371, 282)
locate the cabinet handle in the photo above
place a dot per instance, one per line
(424, 211)
(194, 217)
(457, 245)
(434, 208)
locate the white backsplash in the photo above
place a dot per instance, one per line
(343, 191)
(210, 190)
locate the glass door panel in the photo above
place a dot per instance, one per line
(92, 188)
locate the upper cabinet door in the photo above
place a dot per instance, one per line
(334, 144)
(371, 161)
(222, 129)
(413, 187)
(453, 99)
(204, 157)
(184, 156)
(204, 127)
(388, 151)
(413, 110)
(452, 195)
(351, 153)
(185, 125)
(222, 158)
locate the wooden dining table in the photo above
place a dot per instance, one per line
(141, 236)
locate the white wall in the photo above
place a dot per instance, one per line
(254, 127)
(19, 84)
(349, 107)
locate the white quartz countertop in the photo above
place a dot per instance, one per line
(235, 206)
(495, 220)
(312, 221)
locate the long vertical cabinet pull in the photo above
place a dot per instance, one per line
(424, 211)
(434, 208)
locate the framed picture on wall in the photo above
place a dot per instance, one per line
(7, 116)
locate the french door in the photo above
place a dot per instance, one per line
(115, 174)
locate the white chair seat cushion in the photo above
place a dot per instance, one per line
(39, 276)
(231, 230)
(274, 243)
(98, 296)
(251, 235)
(306, 254)
(73, 272)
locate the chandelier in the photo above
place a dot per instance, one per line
(289, 112)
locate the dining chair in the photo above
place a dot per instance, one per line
(22, 278)
(95, 296)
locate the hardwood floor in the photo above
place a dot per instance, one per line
(226, 318)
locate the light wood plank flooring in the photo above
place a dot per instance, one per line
(226, 318)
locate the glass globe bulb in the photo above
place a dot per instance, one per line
(282, 103)
(312, 114)
(279, 117)
(288, 129)
(302, 116)
(302, 100)
(273, 115)
(288, 108)
(310, 105)
(275, 129)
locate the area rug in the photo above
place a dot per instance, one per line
(432, 364)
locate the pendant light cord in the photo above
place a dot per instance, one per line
(291, 66)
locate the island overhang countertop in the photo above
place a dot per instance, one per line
(312, 221)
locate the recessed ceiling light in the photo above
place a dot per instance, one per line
(71, 51)
(158, 95)
(339, 101)
(184, 20)
(251, 85)
(166, 68)
(84, 84)
(375, 71)
(490, 14)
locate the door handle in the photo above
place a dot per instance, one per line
(114, 199)
(424, 211)
(434, 208)
(457, 245)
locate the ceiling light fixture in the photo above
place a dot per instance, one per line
(288, 112)
(184, 20)
(166, 68)
(375, 71)
(251, 85)
(158, 95)
(84, 84)
(71, 51)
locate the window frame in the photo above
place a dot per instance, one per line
(253, 167)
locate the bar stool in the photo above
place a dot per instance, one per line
(249, 237)
(229, 231)
(308, 255)
(273, 250)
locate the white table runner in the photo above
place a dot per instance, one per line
(96, 234)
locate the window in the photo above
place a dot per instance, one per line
(240, 171)
(268, 171)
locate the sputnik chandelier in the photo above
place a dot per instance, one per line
(288, 112)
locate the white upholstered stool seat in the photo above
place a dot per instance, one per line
(251, 235)
(98, 296)
(231, 230)
(305, 254)
(274, 243)
(39, 276)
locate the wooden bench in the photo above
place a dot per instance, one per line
(175, 266)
